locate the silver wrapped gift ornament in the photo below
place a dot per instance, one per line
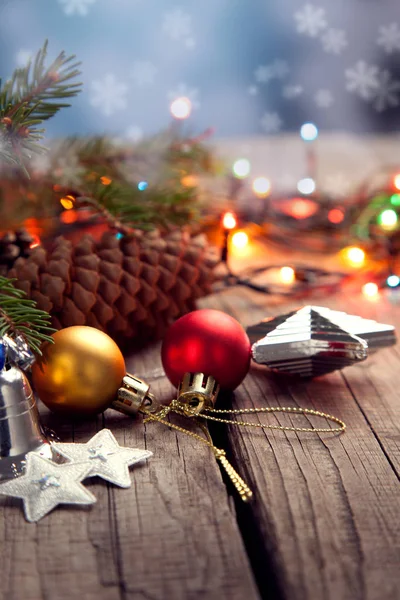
(20, 430)
(18, 352)
(315, 340)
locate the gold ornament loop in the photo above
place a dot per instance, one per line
(182, 409)
(242, 488)
(276, 409)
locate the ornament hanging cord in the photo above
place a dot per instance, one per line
(240, 485)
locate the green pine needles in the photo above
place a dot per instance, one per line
(20, 316)
(151, 184)
(34, 94)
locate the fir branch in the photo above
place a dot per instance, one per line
(110, 219)
(21, 317)
(104, 178)
(33, 94)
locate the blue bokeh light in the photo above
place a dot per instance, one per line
(308, 132)
(142, 185)
(393, 281)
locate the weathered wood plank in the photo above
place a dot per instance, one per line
(173, 534)
(177, 530)
(375, 383)
(324, 522)
(327, 506)
(57, 557)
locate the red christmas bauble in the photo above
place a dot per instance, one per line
(210, 342)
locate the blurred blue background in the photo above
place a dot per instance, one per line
(248, 66)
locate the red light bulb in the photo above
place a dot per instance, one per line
(203, 350)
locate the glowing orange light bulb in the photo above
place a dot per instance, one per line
(35, 242)
(335, 215)
(229, 220)
(67, 202)
(396, 181)
(287, 275)
(370, 290)
(354, 256)
(190, 181)
(240, 239)
(69, 216)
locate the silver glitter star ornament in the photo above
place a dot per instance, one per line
(46, 484)
(104, 457)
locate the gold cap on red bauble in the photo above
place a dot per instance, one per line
(203, 350)
(81, 373)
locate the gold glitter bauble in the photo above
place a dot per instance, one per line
(80, 373)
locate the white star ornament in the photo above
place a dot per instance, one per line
(46, 484)
(105, 457)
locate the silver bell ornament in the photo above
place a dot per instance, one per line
(20, 430)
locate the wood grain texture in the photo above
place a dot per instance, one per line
(324, 523)
(173, 534)
(327, 505)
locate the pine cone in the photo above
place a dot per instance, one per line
(131, 288)
(13, 244)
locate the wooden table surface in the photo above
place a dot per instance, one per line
(324, 523)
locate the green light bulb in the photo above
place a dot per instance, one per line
(395, 199)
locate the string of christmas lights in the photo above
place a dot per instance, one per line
(364, 228)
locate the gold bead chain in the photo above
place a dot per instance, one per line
(240, 485)
(277, 409)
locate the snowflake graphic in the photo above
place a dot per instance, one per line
(40, 164)
(23, 57)
(292, 91)
(134, 134)
(79, 7)
(310, 20)
(177, 24)
(387, 95)
(263, 74)
(389, 37)
(183, 91)
(337, 185)
(252, 90)
(143, 72)
(362, 79)
(280, 68)
(68, 170)
(109, 95)
(271, 122)
(324, 98)
(334, 41)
